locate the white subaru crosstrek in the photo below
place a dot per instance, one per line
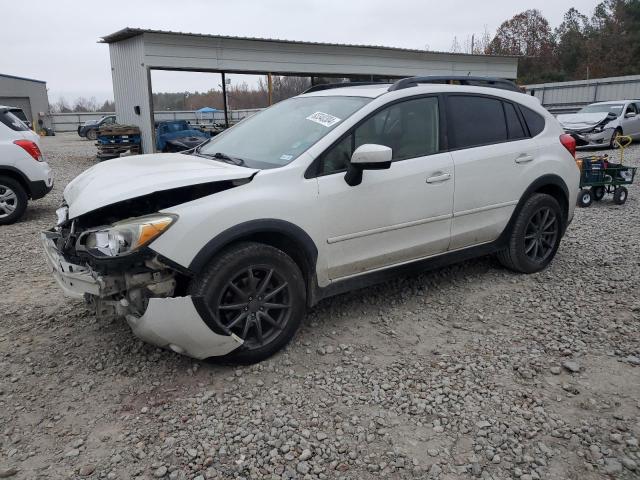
(220, 250)
(24, 174)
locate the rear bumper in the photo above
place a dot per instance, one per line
(40, 188)
(171, 322)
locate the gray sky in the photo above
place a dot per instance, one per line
(56, 40)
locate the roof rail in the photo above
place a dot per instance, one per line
(491, 82)
(328, 86)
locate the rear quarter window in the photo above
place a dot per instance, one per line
(516, 131)
(11, 121)
(534, 121)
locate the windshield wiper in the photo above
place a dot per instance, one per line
(221, 156)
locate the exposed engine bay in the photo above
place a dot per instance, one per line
(126, 279)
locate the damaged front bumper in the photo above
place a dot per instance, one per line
(592, 138)
(143, 299)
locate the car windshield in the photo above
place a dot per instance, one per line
(615, 108)
(176, 126)
(278, 135)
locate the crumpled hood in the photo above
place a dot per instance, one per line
(124, 178)
(581, 121)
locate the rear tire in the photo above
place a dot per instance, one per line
(13, 200)
(92, 134)
(620, 195)
(535, 236)
(256, 292)
(597, 193)
(585, 198)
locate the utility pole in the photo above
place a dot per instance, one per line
(224, 100)
(270, 88)
(473, 38)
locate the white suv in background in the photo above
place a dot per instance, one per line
(219, 250)
(24, 174)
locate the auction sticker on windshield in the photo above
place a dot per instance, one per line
(323, 119)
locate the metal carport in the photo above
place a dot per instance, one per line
(135, 52)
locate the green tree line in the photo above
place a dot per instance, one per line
(606, 44)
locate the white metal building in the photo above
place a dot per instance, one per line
(135, 52)
(25, 93)
(567, 97)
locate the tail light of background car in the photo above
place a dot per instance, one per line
(31, 148)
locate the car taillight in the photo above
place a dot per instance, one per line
(569, 143)
(31, 148)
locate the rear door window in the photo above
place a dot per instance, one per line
(474, 121)
(11, 121)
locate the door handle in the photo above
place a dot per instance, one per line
(524, 158)
(439, 178)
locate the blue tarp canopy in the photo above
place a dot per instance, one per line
(207, 110)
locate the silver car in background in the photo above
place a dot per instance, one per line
(600, 123)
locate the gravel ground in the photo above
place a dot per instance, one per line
(469, 371)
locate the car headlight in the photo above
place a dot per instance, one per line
(125, 237)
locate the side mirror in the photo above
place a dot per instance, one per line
(630, 115)
(367, 157)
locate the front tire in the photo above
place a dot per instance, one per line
(535, 236)
(613, 143)
(13, 200)
(256, 292)
(585, 198)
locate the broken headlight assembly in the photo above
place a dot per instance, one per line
(124, 237)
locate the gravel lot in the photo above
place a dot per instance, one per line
(470, 371)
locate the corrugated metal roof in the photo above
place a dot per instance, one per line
(21, 78)
(129, 32)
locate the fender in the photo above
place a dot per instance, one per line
(253, 227)
(18, 175)
(538, 184)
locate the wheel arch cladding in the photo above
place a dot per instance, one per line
(551, 185)
(15, 174)
(280, 234)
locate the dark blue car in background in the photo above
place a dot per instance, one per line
(90, 128)
(178, 135)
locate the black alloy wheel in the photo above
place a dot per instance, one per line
(256, 292)
(535, 235)
(541, 234)
(255, 304)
